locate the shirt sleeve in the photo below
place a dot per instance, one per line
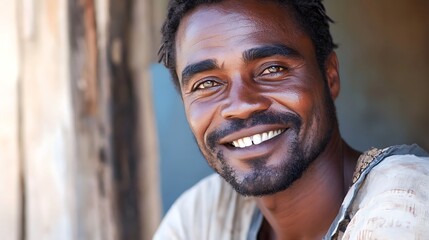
(181, 221)
(393, 202)
(209, 210)
(172, 226)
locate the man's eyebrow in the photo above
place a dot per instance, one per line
(270, 50)
(196, 68)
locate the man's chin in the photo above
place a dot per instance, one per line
(257, 190)
(264, 181)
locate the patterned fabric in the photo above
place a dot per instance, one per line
(364, 161)
(390, 201)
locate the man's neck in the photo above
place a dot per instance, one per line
(307, 208)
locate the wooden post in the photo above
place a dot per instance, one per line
(126, 155)
(78, 154)
(10, 162)
(69, 185)
(91, 90)
(145, 28)
(47, 121)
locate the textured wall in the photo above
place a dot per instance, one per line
(384, 65)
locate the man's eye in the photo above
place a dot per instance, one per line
(206, 84)
(273, 69)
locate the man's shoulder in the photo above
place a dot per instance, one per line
(392, 201)
(404, 161)
(398, 174)
(404, 174)
(208, 210)
(404, 164)
(371, 159)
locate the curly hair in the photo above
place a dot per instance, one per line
(310, 15)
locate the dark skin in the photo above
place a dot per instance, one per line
(219, 82)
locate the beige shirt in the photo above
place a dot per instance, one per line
(388, 201)
(393, 202)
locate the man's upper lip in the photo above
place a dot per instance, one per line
(248, 132)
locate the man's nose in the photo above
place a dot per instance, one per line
(244, 100)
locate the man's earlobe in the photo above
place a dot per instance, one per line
(332, 74)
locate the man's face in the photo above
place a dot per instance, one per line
(254, 95)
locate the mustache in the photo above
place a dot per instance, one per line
(259, 118)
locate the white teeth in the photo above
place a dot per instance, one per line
(241, 143)
(255, 139)
(247, 141)
(264, 136)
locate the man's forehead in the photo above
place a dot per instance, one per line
(250, 12)
(216, 25)
(208, 22)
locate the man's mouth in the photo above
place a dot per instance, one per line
(256, 139)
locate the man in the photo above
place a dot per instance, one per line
(258, 80)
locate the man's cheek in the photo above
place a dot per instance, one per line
(197, 122)
(199, 114)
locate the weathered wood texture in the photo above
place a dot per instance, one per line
(147, 17)
(124, 122)
(47, 121)
(78, 154)
(9, 142)
(91, 88)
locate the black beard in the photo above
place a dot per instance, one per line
(264, 179)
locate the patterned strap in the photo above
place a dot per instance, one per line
(364, 161)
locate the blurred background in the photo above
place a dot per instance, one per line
(93, 139)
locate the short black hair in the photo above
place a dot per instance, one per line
(309, 14)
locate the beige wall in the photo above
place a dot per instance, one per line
(384, 65)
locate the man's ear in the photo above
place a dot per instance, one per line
(332, 75)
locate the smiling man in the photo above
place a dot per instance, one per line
(258, 81)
